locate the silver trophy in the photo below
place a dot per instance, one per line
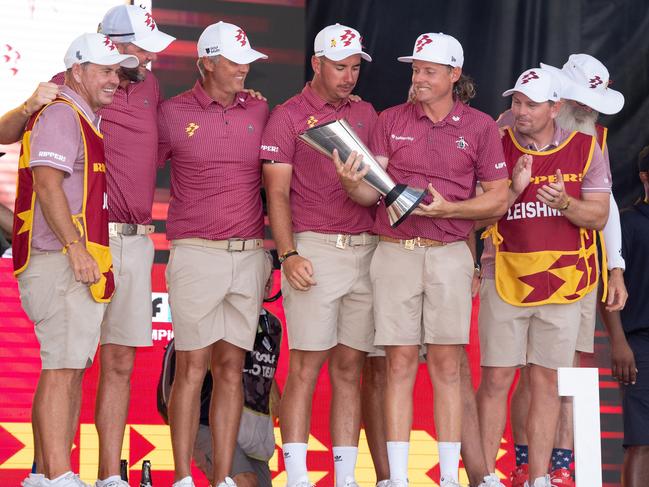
(400, 199)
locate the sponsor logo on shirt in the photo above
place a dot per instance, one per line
(402, 137)
(311, 121)
(52, 155)
(461, 143)
(251, 128)
(191, 129)
(500, 165)
(270, 148)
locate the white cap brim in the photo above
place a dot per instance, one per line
(242, 56)
(341, 54)
(124, 60)
(410, 59)
(608, 103)
(156, 42)
(532, 96)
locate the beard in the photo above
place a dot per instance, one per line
(133, 74)
(576, 119)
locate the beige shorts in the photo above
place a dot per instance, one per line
(67, 320)
(128, 316)
(339, 308)
(513, 336)
(422, 295)
(586, 337)
(215, 294)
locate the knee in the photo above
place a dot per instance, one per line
(304, 367)
(190, 370)
(117, 362)
(227, 368)
(374, 372)
(496, 381)
(346, 369)
(544, 380)
(402, 366)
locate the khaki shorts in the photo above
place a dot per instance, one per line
(67, 320)
(586, 337)
(215, 294)
(422, 295)
(128, 316)
(512, 336)
(339, 308)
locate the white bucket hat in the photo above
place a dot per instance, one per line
(337, 42)
(436, 48)
(538, 85)
(586, 81)
(229, 41)
(97, 49)
(130, 23)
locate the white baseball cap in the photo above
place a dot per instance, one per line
(586, 81)
(436, 48)
(132, 23)
(538, 85)
(97, 49)
(229, 41)
(337, 42)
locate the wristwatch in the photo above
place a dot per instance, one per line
(286, 255)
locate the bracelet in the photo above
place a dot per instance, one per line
(67, 246)
(286, 255)
(565, 207)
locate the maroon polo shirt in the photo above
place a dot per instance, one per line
(451, 154)
(215, 165)
(130, 128)
(318, 201)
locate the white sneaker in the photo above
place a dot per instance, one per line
(33, 480)
(114, 483)
(186, 482)
(70, 479)
(350, 482)
(383, 483)
(540, 482)
(448, 483)
(302, 483)
(228, 482)
(491, 480)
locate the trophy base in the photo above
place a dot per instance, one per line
(401, 201)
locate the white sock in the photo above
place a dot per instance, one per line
(295, 462)
(398, 459)
(112, 478)
(344, 463)
(449, 460)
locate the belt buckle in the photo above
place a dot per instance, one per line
(237, 240)
(409, 244)
(342, 241)
(129, 229)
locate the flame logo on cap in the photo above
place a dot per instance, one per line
(148, 20)
(595, 82)
(529, 77)
(422, 42)
(347, 37)
(108, 43)
(241, 37)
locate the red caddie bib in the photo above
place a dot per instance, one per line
(541, 257)
(92, 222)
